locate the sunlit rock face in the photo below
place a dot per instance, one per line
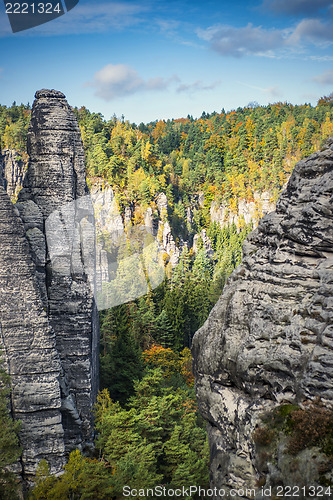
(269, 339)
(51, 299)
(247, 212)
(12, 171)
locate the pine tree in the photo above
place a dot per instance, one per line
(165, 333)
(121, 363)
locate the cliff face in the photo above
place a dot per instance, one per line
(246, 212)
(28, 345)
(49, 214)
(12, 169)
(268, 340)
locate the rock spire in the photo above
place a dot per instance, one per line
(54, 302)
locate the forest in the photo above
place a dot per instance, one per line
(148, 428)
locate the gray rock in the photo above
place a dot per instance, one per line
(247, 211)
(149, 223)
(54, 183)
(189, 216)
(268, 340)
(169, 244)
(110, 231)
(49, 320)
(207, 244)
(12, 169)
(29, 348)
(162, 205)
(201, 199)
(128, 217)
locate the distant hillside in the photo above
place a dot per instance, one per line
(227, 156)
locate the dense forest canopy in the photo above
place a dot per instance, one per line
(226, 155)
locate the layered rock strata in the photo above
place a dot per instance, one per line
(269, 339)
(13, 169)
(29, 348)
(56, 226)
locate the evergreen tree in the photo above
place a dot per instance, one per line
(165, 333)
(121, 360)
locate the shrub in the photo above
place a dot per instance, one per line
(311, 426)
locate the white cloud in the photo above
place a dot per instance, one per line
(237, 42)
(197, 86)
(325, 78)
(116, 80)
(255, 40)
(168, 26)
(314, 31)
(321, 58)
(119, 80)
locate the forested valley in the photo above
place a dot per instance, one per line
(148, 429)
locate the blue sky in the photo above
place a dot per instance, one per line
(164, 59)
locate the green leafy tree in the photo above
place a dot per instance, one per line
(10, 450)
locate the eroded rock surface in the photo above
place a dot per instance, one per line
(55, 180)
(29, 348)
(50, 332)
(269, 339)
(13, 169)
(206, 242)
(246, 212)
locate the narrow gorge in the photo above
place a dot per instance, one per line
(264, 352)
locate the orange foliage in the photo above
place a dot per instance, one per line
(186, 366)
(162, 357)
(170, 362)
(159, 130)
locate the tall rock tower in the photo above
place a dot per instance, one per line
(58, 311)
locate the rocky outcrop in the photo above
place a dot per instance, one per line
(57, 352)
(268, 341)
(167, 242)
(164, 233)
(28, 346)
(13, 169)
(206, 243)
(162, 204)
(110, 231)
(246, 211)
